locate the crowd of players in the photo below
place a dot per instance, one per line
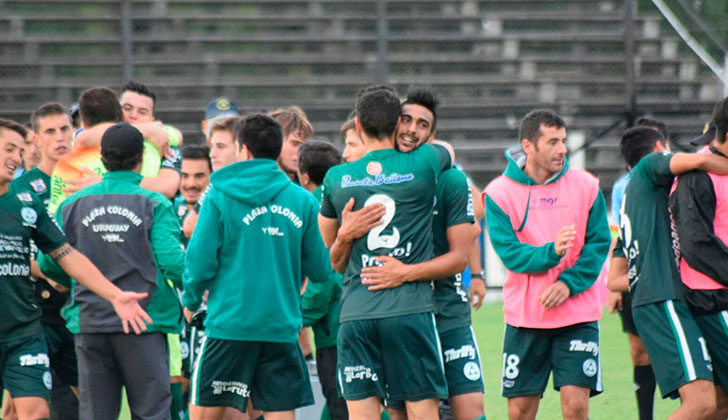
(185, 273)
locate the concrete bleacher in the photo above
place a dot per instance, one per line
(492, 60)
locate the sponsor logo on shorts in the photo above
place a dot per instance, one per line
(184, 349)
(234, 387)
(40, 359)
(466, 351)
(29, 215)
(508, 383)
(472, 371)
(47, 380)
(588, 347)
(590, 367)
(359, 372)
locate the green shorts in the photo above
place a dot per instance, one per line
(715, 330)
(674, 343)
(463, 370)
(530, 354)
(395, 359)
(190, 344)
(25, 367)
(62, 354)
(273, 375)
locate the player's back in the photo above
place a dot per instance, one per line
(405, 185)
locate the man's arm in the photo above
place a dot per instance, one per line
(83, 271)
(477, 282)
(165, 183)
(165, 234)
(202, 262)
(355, 224)
(394, 273)
(517, 256)
(618, 279)
(686, 162)
(597, 240)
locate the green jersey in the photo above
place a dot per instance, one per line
(405, 184)
(24, 218)
(645, 232)
(36, 181)
(182, 211)
(453, 206)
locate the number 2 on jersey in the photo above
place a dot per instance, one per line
(375, 239)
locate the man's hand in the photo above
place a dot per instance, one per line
(127, 307)
(564, 240)
(355, 224)
(477, 292)
(393, 273)
(89, 178)
(614, 302)
(188, 314)
(56, 286)
(555, 295)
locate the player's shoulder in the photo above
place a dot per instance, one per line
(581, 175)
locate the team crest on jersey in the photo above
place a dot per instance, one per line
(374, 168)
(38, 185)
(181, 210)
(29, 215)
(26, 197)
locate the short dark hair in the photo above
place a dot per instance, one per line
(141, 89)
(373, 88)
(13, 126)
(45, 110)
(348, 125)
(530, 128)
(99, 105)
(315, 157)
(637, 143)
(196, 152)
(720, 119)
(261, 134)
(655, 123)
(378, 111)
(425, 96)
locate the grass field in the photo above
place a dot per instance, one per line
(617, 401)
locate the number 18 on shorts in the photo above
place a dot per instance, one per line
(530, 355)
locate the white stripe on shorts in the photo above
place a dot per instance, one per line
(439, 345)
(196, 373)
(687, 357)
(480, 364)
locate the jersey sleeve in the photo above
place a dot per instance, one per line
(439, 155)
(315, 260)
(693, 207)
(517, 256)
(597, 240)
(198, 204)
(202, 262)
(165, 235)
(173, 135)
(458, 198)
(618, 251)
(327, 207)
(656, 169)
(47, 235)
(174, 161)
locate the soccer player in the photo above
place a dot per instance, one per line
(548, 224)
(696, 204)
(24, 365)
(296, 131)
(644, 378)
(353, 144)
(52, 124)
(133, 236)
(377, 325)
(644, 253)
(32, 155)
(252, 325)
(320, 302)
(454, 232)
(196, 170)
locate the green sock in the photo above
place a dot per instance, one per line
(177, 409)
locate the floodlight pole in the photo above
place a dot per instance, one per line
(382, 43)
(629, 29)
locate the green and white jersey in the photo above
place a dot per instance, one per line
(182, 211)
(405, 184)
(645, 232)
(24, 218)
(453, 206)
(36, 181)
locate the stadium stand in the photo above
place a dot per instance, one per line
(491, 60)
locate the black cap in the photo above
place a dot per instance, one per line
(121, 141)
(707, 136)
